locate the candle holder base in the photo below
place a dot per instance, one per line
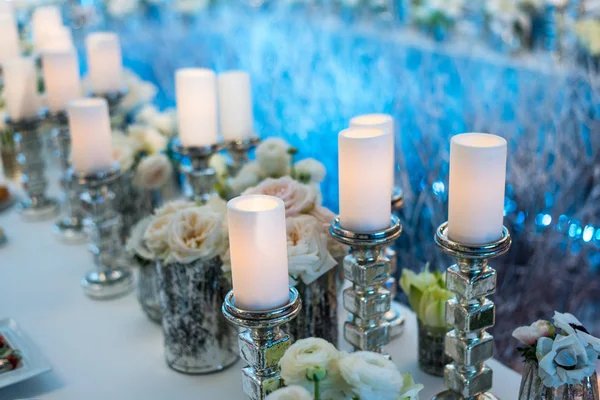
(107, 284)
(201, 177)
(450, 395)
(33, 210)
(396, 320)
(70, 231)
(238, 150)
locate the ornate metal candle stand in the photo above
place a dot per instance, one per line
(117, 119)
(200, 175)
(470, 313)
(29, 146)
(238, 150)
(263, 343)
(367, 300)
(109, 279)
(394, 315)
(69, 228)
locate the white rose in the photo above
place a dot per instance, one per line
(290, 393)
(218, 162)
(146, 114)
(310, 170)
(195, 234)
(139, 92)
(136, 244)
(150, 140)
(298, 198)
(273, 157)
(153, 171)
(156, 236)
(306, 356)
(250, 175)
(325, 216)
(174, 206)
(371, 376)
(308, 256)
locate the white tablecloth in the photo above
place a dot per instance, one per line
(109, 349)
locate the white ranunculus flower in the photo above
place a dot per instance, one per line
(308, 256)
(153, 171)
(195, 234)
(273, 157)
(150, 140)
(250, 175)
(371, 376)
(297, 197)
(564, 360)
(136, 245)
(310, 170)
(290, 393)
(308, 355)
(218, 162)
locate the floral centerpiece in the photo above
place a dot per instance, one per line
(427, 296)
(560, 359)
(314, 369)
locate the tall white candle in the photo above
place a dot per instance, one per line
(91, 143)
(476, 190)
(384, 122)
(44, 21)
(235, 105)
(57, 40)
(20, 88)
(61, 77)
(9, 36)
(105, 63)
(196, 92)
(258, 246)
(365, 176)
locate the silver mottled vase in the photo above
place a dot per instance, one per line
(432, 357)
(131, 201)
(147, 289)
(532, 387)
(197, 337)
(319, 314)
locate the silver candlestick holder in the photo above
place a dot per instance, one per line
(29, 147)
(263, 343)
(199, 174)
(394, 315)
(470, 313)
(69, 228)
(239, 150)
(367, 300)
(109, 279)
(114, 99)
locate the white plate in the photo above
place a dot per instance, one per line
(33, 362)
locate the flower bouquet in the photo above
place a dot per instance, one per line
(314, 369)
(560, 360)
(427, 296)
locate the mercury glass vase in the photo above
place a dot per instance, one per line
(197, 337)
(432, 358)
(532, 387)
(131, 201)
(147, 289)
(319, 314)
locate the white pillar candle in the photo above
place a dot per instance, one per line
(61, 77)
(57, 40)
(91, 143)
(196, 92)
(384, 122)
(105, 63)
(6, 6)
(44, 21)
(20, 88)
(9, 37)
(235, 105)
(258, 246)
(365, 176)
(476, 190)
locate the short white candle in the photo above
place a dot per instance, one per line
(9, 37)
(258, 246)
(61, 77)
(379, 121)
(476, 190)
(365, 176)
(20, 88)
(196, 92)
(91, 143)
(235, 105)
(105, 63)
(57, 40)
(44, 21)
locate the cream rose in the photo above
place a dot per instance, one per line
(308, 355)
(325, 216)
(290, 393)
(146, 114)
(310, 170)
(371, 376)
(153, 171)
(308, 256)
(173, 207)
(156, 236)
(273, 157)
(298, 198)
(150, 140)
(136, 245)
(250, 175)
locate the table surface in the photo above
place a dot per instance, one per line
(110, 349)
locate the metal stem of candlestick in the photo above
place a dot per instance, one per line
(200, 175)
(238, 150)
(109, 279)
(394, 315)
(29, 147)
(368, 270)
(113, 99)
(263, 343)
(470, 313)
(69, 228)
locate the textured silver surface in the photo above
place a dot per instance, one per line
(199, 174)
(532, 387)
(432, 357)
(147, 288)
(239, 150)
